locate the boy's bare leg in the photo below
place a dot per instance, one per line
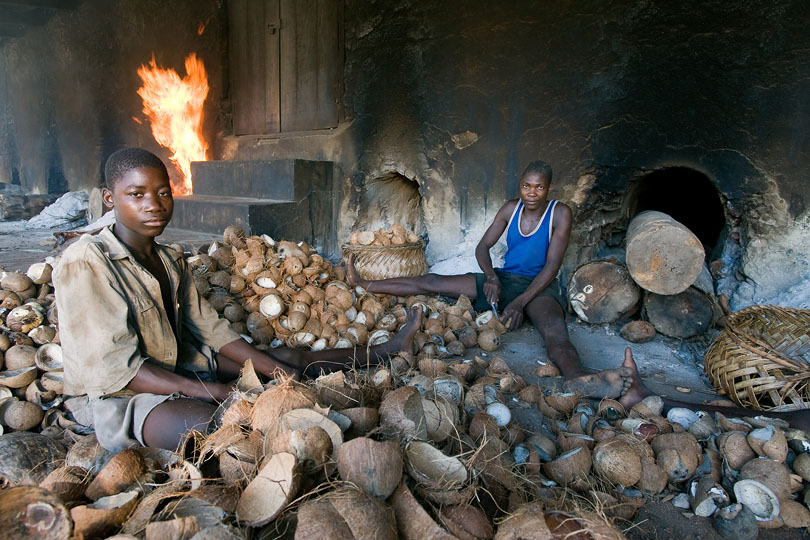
(547, 316)
(453, 286)
(337, 359)
(167, 425)
(638, 391)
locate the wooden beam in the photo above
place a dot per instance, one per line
(52, 4)
(12, 30)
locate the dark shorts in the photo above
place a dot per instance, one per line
(512, 286)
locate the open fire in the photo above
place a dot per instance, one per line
(174, 106)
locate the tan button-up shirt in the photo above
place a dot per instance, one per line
(112, 318)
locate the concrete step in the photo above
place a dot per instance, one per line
(286, 199)
(279, 180)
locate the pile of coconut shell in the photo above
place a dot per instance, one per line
(31, 379)
(284, 293)
(395, 236)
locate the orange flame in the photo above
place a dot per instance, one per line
(174, 107)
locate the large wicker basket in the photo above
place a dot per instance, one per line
(762, 358)
(383, 262)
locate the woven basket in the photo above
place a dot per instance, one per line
(383, 262)
(762, 358)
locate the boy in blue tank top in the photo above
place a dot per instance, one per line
(537, 234)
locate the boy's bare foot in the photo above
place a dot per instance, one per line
(636, 391)
(403, 340)
(352, 277)
(608, 383)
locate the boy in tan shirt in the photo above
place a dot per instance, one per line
(146, 350)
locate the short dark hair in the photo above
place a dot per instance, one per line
(538, 167)
(122, 161)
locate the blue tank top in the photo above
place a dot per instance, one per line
(526, 253)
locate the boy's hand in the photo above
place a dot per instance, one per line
(513, 314)
(214, 392)
(492, 289)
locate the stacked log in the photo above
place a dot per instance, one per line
(602, 291)
(663, 256)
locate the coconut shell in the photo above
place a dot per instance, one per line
(24, 318)
(759, 498)
(20, 357)
(367, 517)
(736, 522)
(120, 472)
(335, 391)
(401, 413)
(277, 400)
(770, 473)
(653, 478)
(525, 523)
(562, 402)
(18, 378)
(104, 516)
(489, 340)
(769, 442)
(801, 466)
(268, 494)
(441, 417)
(570, 468)
(440, 477)
(678, 454)
(734, 448)
(794, 514)
(318, 520)
(483, 425)
(20, 415)
(31, 512)
(568, 441)
(15, 281)
(178, 528)
(302, 419)
(467, 522)
(27, 458)
(364, 419)
(312, 446)
(413, 521)
(617, 462)
(375, 467)
(67, 483)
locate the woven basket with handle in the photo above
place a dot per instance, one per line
(383, 262)
(762, 358)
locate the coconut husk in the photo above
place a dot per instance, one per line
(99, 519)
(32, 512)
(770, 473)
(466, 522)
(27, 458)
(653, 478)
(18, 378)
(20, 415)
(335, 391)
(88, 454)
(617, 462)
(318, 519)
(794, 514)
(413, 521)
(441, 417)
(375, 467)
(571, 468)
(525, 523)
(182, 528)
(279, 399)
(268, 494)
(568, 441)
(137, 521)
(67, 483)
(678, 454)
(302, 419)
(734, 448)
(364, 420)
(563, 402)
(367, 517)
(312, 446)
(402, 415)
(119, 473)
(580, 523)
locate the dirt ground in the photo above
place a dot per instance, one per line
(668, 366)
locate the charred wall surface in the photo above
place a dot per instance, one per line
(458, 96)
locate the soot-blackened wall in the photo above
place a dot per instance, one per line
(458, 96)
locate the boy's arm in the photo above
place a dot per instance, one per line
(556, 250)
(154, 379)
(492, 287)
